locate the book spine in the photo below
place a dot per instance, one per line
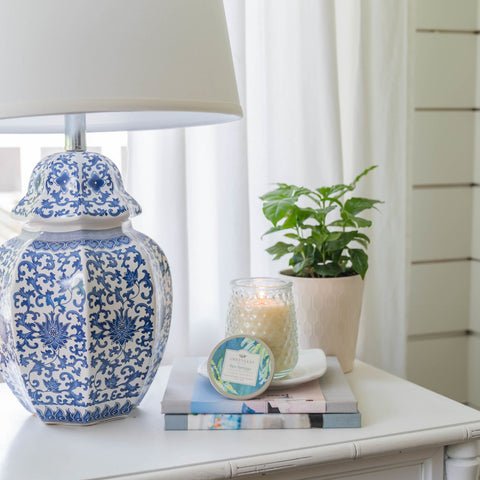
(261, 422)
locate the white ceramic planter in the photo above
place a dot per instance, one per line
(328, 313)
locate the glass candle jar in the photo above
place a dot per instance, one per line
(264, 308)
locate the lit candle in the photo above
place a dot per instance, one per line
(266, 312)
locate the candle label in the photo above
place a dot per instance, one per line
(241, 367)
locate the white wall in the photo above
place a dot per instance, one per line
(444, 313)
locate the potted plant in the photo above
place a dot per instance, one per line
(323, 232)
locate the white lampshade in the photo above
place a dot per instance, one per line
(128, 64)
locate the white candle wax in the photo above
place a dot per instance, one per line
(272, 321)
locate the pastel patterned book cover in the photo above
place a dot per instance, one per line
(268, 421)
(189, 392)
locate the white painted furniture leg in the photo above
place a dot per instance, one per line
(461, 462)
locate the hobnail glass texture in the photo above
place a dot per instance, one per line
(264, 308)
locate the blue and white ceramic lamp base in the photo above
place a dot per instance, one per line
(85, 300)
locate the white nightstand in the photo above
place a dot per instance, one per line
(407, 432)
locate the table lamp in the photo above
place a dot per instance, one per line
(85, 300)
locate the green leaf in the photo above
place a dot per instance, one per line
(328, 270)
(291, 220)
(324, 191)
(356, 205)
(340, 188)
(344, 223)
(294, 190)
(361, 242)
(341, 242)
(362, 222)
(359, 261)
(294, 218)
(300, 266)
(280, 203)
(320, 214)
(300, 263)
(333, 236)
(362, 236)
(284, 190)
(278, 209)
(362, 239)
(319, 238)
(295, 258)
(273, 230)
(280, 249)
(359, 222)
(304, 213)
(299, 248)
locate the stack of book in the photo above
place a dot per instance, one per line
(191, 403)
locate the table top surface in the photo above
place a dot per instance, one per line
(391, 408)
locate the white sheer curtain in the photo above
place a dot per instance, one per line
(323, 85)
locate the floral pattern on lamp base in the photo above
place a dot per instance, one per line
(84, 315)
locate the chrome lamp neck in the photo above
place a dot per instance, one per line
(75, 127)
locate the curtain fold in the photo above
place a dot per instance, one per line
(323, 86)
(372, 54)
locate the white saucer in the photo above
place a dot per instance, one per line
(311, 364)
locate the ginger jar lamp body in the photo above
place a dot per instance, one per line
(85, 300)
